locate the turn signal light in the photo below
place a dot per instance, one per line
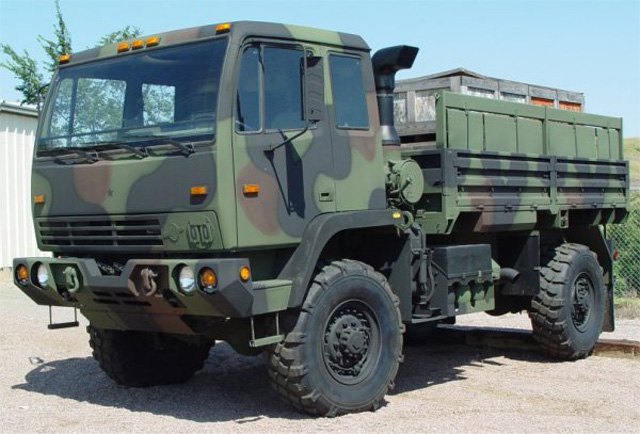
(198, 190)
(208, 279)
(38, 199)
(245, 273)
(22, 275)
(250, 189)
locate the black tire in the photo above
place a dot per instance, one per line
(343, 353)
(568, 313)
(142, 359)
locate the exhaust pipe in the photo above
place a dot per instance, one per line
(509, 275)
(386, 62)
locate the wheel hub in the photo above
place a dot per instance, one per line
(347, 342)
(582, 300)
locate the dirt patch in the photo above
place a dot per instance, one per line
(50, 383)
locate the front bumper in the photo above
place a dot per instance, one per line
(128, 302)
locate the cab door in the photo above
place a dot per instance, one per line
(283, 162)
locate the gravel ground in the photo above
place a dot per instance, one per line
(50, 383)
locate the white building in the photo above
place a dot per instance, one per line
(17, 134)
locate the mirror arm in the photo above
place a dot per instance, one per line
(269, 149)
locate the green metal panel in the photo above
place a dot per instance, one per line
(530, 138)
(475, 130)
(515, 127)
(457, 129)
(602, 142)
(614, 144)
(586, 138)
(562, 139)
(500, 133)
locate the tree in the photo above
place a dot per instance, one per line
(33, 85)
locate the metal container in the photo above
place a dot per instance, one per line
(414, 99)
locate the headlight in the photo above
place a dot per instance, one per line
(186, 280)
(42, 276)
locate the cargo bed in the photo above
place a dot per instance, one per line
(496, 165)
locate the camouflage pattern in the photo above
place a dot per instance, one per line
(133, 207)
(500, 166)
(495, 166)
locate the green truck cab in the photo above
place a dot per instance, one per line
(244, 182)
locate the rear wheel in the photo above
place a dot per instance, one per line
(343, 354)
(142, 359)
(568, 313)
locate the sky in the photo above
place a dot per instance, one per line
(586, 46)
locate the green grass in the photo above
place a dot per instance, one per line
(627, 307)
(632, 153)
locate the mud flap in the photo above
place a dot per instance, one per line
(609, 321)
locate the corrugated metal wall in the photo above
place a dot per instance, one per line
(17, 133)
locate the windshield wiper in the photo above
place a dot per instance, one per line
(139, 151)
(186, 149)
(89, 157)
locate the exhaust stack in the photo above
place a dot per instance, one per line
(386, 62)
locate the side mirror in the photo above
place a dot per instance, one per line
(314, 89)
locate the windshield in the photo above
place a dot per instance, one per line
(169, 93)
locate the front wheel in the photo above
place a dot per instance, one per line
(568, 313)
(142, 359)
(342, 356)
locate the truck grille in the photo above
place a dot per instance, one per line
(100, 231)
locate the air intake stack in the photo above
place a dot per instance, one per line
(386, 62)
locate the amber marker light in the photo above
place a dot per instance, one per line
(152, 41)
(22, 275)
(223, 28)
(137, 44)
(38, 199)
(198, 190)
(208, 279)
(64, 58)
(245, 273)
(250, 189)
(123, 46)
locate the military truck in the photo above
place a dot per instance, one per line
(244, 182)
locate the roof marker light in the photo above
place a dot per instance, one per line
(64, 58)
(223, 28)
(123, 46)
(152, 41)
(137, 44)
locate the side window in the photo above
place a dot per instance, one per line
(283, 88)
(248, 97)
(59, 123)
(349, 100)
(158, 104)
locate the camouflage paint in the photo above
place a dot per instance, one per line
(482, 147)
(501, 166)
